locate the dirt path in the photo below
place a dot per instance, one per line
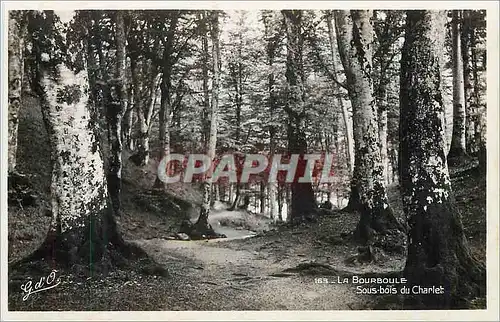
(236, 274)
(220, 215)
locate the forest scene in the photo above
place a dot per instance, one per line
(206, 160)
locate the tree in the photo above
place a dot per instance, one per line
(17, 26)
(345, 113)
(237, 69)
(387, 26)
(368, 194)
(302, 200)
(272, 36)
(144, 72)
(202, 224)
(466, 44)
(458, 143)
(473, 33)
(81, 211)
(82, 229)
(438, 252)
(166, 83)
(115, 108)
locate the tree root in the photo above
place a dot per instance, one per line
(97, 250)
(199, 230)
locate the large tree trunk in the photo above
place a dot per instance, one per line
(202, 225)
(368, 192)
(82, 229)
(345, 112)
(16, 70)
(114, 113)
(458, 147)
(303, 202)
(438, 254)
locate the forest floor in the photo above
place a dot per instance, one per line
(260, 266)
(253, 269)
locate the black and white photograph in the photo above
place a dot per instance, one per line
(250, 158)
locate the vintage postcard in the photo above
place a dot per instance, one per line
(249, 160)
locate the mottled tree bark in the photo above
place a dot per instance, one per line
(438, 253)
(16, 70)
(458, 143)
(82, 229)
(302, 199)
(116, 102)
(368, 194)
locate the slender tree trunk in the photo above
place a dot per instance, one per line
(206, 94)
(114, 113)
(303, 202)
(166, 87)
(382, 107)
(470, 110)
(165, 109)
(438, 254)
(280, 202)
(202, 224)
(345, 112)
(262, 197)
(458, 143)
(271, 46)
(141, 158)
(478, 106)
(344, 32)
(128, 122)
(288, 202)
(355, 38)
(215, 194)
(16, 71)
(237, 197)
